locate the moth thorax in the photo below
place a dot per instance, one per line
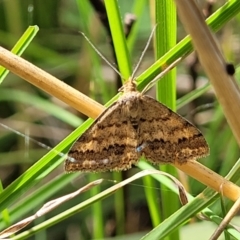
(129, 86)
(133, 108)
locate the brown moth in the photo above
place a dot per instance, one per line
(134, 126)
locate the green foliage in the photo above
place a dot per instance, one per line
(60, 49)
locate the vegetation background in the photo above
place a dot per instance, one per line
(60, 49)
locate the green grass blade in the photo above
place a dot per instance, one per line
(119, 39)
(183, 215)
(51, 160)
(31, 202)
(97, 209)
(166, 88)
(5, 213)
(75, 209)
(124, 64)
(165, 40)
(40, 169)
(20, 47)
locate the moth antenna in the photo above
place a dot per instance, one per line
(160, 75)
(144, 51)
(101, 55)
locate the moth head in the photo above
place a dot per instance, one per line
(129, 86)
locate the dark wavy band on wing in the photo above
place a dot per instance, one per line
(114, 158)
(160, 151)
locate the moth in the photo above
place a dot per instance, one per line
(135, 126)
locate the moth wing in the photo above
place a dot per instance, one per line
(109, 144)
(166, 137)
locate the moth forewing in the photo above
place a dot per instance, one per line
(136, 125)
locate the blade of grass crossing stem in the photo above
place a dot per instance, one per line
(149, 183)
(166, 88)
(124, 64)
(165, 40)
(20, 47)
(118, 37)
